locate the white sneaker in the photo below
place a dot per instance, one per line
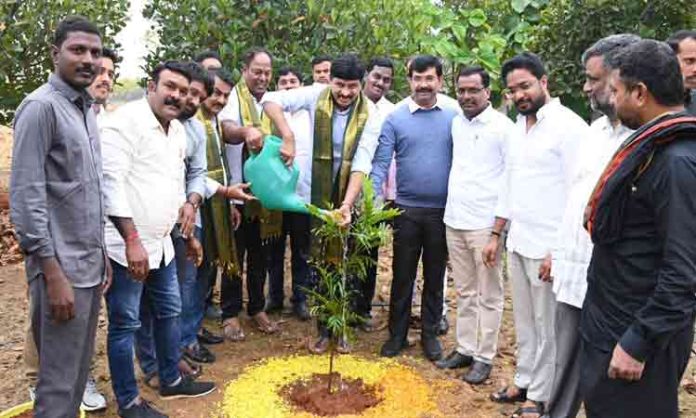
(32, 393)
(92, 400)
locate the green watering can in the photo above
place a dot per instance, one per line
(272, 182)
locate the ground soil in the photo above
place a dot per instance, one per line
(455, 398)
(348, 396)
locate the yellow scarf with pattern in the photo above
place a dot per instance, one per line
(327, 190)
(219, 243)
(271, 222)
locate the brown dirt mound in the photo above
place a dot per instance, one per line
(9, 247)
(348, 397)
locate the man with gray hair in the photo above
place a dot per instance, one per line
(637, 322)
(572, 253)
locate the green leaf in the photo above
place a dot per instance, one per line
(520, 5)
(477, 18)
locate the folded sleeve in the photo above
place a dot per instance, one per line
(33, 133)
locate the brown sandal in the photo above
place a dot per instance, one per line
(537, 408)
(232, 329)
(264, 324)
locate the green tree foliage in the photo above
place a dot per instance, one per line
(482, 32)
(26, 32)
(293, 31)
(331, 302)
(568, 27)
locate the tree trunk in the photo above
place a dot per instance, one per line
(332, 353)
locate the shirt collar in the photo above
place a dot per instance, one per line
(413, 107)
(149, 119)
(548, 108)
(484, 117)
(544, 110)
(78, 97)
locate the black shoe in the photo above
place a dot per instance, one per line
(141, 410)
(187, 388)
(478, 373)
(393, 347)
(273, 307)
(431, 348)
(207, 337)
(455, 360)
(301, 312)
(443, 327)
(199, 354)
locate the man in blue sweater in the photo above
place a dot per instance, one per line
(418, 134)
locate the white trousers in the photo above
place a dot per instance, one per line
(534, 307)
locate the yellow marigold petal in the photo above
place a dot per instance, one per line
(255, 393)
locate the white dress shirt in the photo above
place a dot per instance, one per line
(573, 250)
(442, 100)
(479, 146)
(539, 169)
(306, 98)
(235, 161)
(382, 108)
(143, 179)
(300, 124)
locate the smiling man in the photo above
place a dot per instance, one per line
(540, 164)
(571, 254)
(103, 83)
(144, 167)
(480, 139)
(243, 126)
(344, 135)
(57, 210)
(418, 135)
(378, 82)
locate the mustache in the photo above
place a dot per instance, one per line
(170, 101)
(103, 84)
(86, 69)
(424, 90)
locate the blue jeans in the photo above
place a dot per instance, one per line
(193, 292)
(160, 294)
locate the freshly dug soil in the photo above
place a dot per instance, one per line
(349, 396)
(9, 247)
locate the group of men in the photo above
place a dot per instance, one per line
(146, 204)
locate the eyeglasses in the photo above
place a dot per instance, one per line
(470, 91)
(524, 86)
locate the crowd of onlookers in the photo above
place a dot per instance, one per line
(147, 206)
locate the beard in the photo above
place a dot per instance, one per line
(187, 113)
(534, 105)
(604, 108)
(629, 120)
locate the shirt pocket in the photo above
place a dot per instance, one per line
(75, 213)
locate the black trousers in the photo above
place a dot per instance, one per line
(297, 225)
(654, 395)
(417, 232)
(252, 253)
(366, 288)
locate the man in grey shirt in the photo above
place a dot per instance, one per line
(57, 209)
